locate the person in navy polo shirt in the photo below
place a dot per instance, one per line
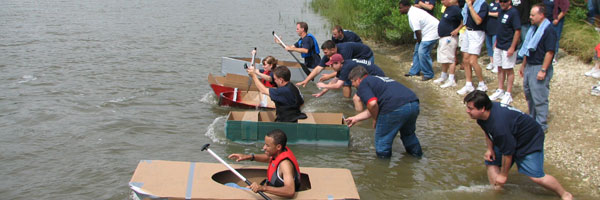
(426, 5)
(349, 50)
(393, 108)
(511, 137)
(343, 68)
(491, 30)
(286, 96)
(448, 28)
(505, 56)
(474, 15)
(307, 46)
(536, 69)
(340, 35)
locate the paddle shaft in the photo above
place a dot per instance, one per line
(304, 68)
(235, 172)
(253, 65)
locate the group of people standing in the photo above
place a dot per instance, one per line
(511, 136)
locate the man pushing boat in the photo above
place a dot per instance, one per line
(283, 173)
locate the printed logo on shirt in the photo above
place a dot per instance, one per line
(385, 79)
(504, 18)
(446, 15)
(362, 61)
(511, 108)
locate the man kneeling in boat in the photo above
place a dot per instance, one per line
(286, 96)
(283, 173)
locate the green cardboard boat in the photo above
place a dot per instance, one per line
(317, 128)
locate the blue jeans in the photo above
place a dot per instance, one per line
(489, 44)
(558, 28)
(402, 119)
(422, 61)
(537, 93)
(524, 29)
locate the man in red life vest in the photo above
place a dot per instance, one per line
(283, 173)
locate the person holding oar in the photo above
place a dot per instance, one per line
(266, 75)
(307, 46)
(348, 50)
(286, 96)
(283, 173)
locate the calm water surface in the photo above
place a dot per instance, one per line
(90, 87)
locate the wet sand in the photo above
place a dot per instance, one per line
(572, 141)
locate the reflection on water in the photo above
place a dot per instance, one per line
(91, 87)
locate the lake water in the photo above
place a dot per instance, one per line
(90, 87)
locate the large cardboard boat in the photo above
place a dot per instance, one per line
(246, 100)
(317, 128)
(159, 179)
(234, 65)
(229, 82)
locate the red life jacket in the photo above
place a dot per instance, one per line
(265, 82)
(273, 178)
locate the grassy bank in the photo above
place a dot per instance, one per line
(379, 20)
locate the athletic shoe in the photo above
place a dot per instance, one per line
(440, 80)
(497, 94)
(596, 74)
(482, 88)
(466, 89)
(506, 99)
(596, 91)
(592, 71)
(554, 61)
(448, 83)
(489, 66)
(495, 70)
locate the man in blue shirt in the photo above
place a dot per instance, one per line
(474, 16)
(307, 46)
(448, 28)
(286, 96)
(505, 56)
(349, 50)
(536, 69)
(393, 108)
(511, 137)
(340, 35)
(491, 30)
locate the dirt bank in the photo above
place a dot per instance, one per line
(572, 141)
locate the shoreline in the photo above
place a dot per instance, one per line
(571, 143)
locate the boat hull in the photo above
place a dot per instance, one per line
(234, 65)
(245, 100)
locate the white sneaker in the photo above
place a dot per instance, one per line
(448, 83)
(495, 70)
(489, 66)
(596, 91)
(497, 94)
(439, 80)
(506, 99)
(482, 88)
(592, 71)
(596, 74)
(466, 89)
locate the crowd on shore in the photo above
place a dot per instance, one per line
(513, 31)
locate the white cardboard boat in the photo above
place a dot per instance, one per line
(159, 179)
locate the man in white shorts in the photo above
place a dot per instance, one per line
(474, 14)
(448, 28)
(505, 56)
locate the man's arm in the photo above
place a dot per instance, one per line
(258, 158)
(288, 190)
(523, 64)
(474, 14)
(425, 6)
(489, 155)
(455, 31)
(296, 49)
(514, 43)
(316, 71)
(333, 84)
(503, 175)
(259, 85)
(419, 36)
(547, 60)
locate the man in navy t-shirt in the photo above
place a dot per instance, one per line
(426, 5)
(491, 30)
(448, 29)
(340, 35)
(393, 108)
(511, 137)
(474, 16)
(537, 70)
(505, 56)
(286, 96)
(349, 50)
(307, 46)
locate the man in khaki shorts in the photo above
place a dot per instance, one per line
(474, 14)
(505, 56)
(448, 28)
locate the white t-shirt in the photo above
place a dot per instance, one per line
(419, 19)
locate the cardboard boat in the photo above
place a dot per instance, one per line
(229, 82)
(317, 128)
(234, 65)
(246, 100)
(159, 179)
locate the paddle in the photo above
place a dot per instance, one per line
(251, 64)
(205, 147)
(304, 68)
